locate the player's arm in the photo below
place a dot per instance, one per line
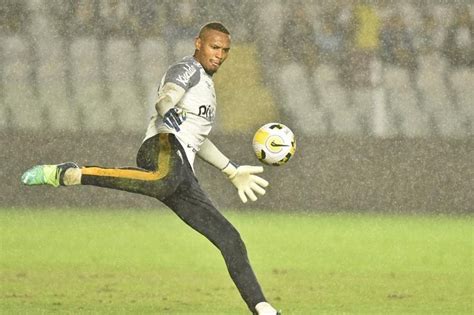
(168, 96)
(242, 176)
(178, 79)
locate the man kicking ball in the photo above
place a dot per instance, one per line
(177, 133)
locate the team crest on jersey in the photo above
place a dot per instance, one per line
(207, 111)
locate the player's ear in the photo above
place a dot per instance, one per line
(197, 43)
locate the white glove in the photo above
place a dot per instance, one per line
(245, 181)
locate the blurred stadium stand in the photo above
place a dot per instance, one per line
(20, 94)
(345, 69)
(89, 90)
(59, 67)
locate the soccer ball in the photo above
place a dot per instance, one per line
(274, 144)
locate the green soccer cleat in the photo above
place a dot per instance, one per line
(46, 174)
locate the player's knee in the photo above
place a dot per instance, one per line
(232, 241)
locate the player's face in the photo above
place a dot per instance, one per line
(212, 50)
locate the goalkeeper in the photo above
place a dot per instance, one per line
(185, 112)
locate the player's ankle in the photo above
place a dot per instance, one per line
(264, 308)
(72, 176)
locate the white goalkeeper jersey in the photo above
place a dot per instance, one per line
(199, 102)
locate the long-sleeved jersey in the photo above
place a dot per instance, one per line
(199, 102)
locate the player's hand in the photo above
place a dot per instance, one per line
(244, 179)
(174, 117)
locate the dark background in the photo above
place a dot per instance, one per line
(326, 174)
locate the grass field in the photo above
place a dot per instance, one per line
(142, 262)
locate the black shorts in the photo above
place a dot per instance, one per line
(162, 167)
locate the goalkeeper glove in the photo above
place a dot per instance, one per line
(174, 117)
(245, 181)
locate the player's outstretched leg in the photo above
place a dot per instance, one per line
(159, 172)
(47, 174)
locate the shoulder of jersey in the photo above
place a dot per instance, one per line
(189, 60)
(186, 72)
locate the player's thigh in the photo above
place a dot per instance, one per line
(195, 208)
(148, 154)
(159, 154)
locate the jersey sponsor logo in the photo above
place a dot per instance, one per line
(186, 76)
(207, 111)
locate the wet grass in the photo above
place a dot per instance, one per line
(142, 262)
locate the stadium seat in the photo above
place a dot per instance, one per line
(298, 99)
(4, 114)
(183, 47)
(154, 62)
(19, 95)
(362, 105)
(461, 80)
(125, 101)
(331, 93)
(62, 114)
(96, 113)
(271, 16)
(3, 117)
(334, 100)
(431, 80)
(402, 100)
